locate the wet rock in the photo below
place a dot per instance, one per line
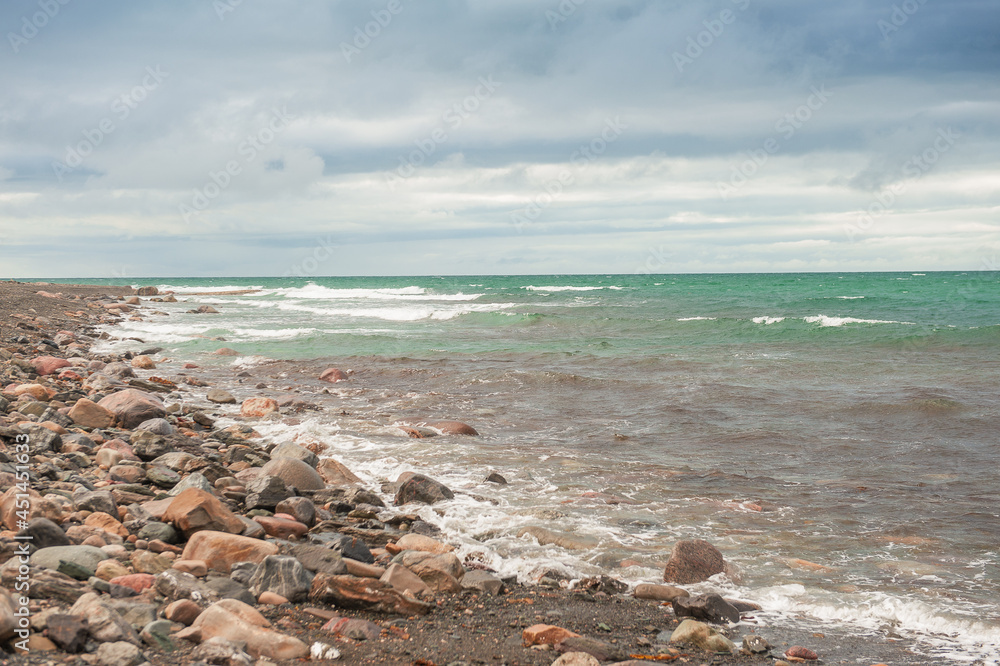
(196, 510)
(494, 477)
(563, 539)
(289, 450)
(258, 407)
(284, 575)
(143, 362)
(423, 543)
(420, 488)
(754, 644)
(220, 550)
(702, 636)
(708, 607)
(332, 375)
(132, 406)
(363, 594)
(220, 397)
(693, 561)
(294, 473)
(335, 473)
(90, 415)
(452, 428)
(236, 621)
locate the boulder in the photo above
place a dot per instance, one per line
(350, 547)
(196, 510)
(482, 581)
(452, 428)
(420, 488)
(157, 427)
(290, 450)
(335, 473)
(43, 533)
(193, 480)
(281, 528)
(220, 397)
(119, 653)
(405, 581)
(693, 561)
(177, 585)
(364, 594)
(258, 407)
(68, 632)
(319, 559)
(132, 406)
(87, 557)
(143, 362)
(14, 513)
(98, 501)
(236, 621)
(183, 611)
(294, 473)
(220, 550)
(266, 492)
(424, 543)
(659, 592)
(284, 575)
(89, 414)
(301, 508)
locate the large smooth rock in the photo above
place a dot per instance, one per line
(424, 543)
(258, 407)
(132, 406)
(659, 592)
(47, 365)
(195, 510)
(420, 488)
(452, 428)
(702, 636)
(335, 473)
(332, 375)
(290, 450)
(43, 533)
(220, 397)
(301, 508)
(284, 575)
(294, 473)
(87, 557)
(364, 594)
(220, 550)
(157, 427)
(89, 414)
(693, 561)
(236, 621)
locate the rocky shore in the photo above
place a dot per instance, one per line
(136, 529)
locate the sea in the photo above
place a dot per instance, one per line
(835, 435)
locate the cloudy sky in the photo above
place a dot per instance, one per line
(402, 137)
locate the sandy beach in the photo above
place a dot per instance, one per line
(188, 543)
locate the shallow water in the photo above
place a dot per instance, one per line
(834, 435)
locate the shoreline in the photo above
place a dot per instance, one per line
(477, 625)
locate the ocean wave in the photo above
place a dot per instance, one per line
(554, 289)
(411, 313)
(697, 319)
(411, 293)
(767, 321)
(850, 298)
(824, 320)
(198, 290)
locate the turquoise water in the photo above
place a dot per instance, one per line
(849, 420)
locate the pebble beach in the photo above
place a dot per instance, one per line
(150, 517)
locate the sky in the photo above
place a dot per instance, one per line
(397, 137)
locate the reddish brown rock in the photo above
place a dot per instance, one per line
(220, 550)
(132, 406)
(799, 652)
(143, 362)
(46, 365)
(195, 510)
(403, 580)
(226, 351)
(423, 543)
(281, 528)
(184, 611)
(332, 375)
(258, 407)
(659, 592)
(364, 594)
(137, 582)
(452, 428)
(693, 561)
(13, 512)
(545, 634)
